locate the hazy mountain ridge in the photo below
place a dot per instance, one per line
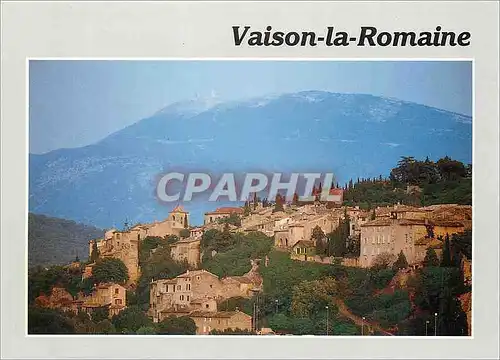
(53, 241)
(350, 134)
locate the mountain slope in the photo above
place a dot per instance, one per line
(353, 135)
(53, 241)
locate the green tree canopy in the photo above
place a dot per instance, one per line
(110, 270)
(431, 258)
(182, 325)
(146, 330)
(47, 321)
(131, 319)
(184, 233)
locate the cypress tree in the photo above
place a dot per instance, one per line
(95, 252)
(431, 258)
(401, 262)
(446, 260)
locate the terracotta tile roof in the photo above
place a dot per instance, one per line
(447, 223)
(172, 310)
(304, 243)
(406, 222)
(196, 273)
(336, 192)
(185, 241)
(107, 285)
(226, 210)
(377, 222)
(218, 314)
(406, 208)
(429, 242)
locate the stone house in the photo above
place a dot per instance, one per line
(301, 228)
(304, 247)
(124, 245)
(404, 231)
(196, 233)
(357, 218)
(187, 250)
(390, 236)
(221, 213)
(182, 291)
(220, 320)
(110, 295)
(423, 243)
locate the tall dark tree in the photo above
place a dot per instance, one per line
(431, 258)
(317, 234)
(446, 260)
(278, 205)
(401, 262)
(95, 252)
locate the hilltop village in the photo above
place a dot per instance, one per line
(276, 267)
(197, 292)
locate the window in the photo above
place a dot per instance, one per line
(197, 278)
(117, 291)
(210, 285)
(181, 297)
(178, 287)
(206, 306)
(383, 239)
(187, 297)
(118, 301)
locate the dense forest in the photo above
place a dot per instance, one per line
(414, 182)
(53, 241)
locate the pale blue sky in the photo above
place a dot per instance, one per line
(76, 103)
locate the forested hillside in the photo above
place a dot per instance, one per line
(53, 241)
